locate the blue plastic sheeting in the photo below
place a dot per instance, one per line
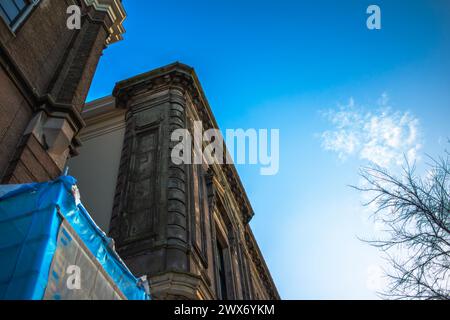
(30, 219)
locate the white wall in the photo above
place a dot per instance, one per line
(96, 170)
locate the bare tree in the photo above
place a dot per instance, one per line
(416, 242)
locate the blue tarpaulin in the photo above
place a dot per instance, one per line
(31, 218)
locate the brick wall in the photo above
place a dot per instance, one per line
(45, 73)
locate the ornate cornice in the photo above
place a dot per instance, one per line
(116, 13)
(260, 265)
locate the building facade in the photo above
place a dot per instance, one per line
(184, 226)
(45, 73)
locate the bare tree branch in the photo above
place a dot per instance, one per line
(416, 212)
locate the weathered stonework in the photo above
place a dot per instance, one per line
(168, 219)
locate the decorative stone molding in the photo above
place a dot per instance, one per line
(260, 265)
(116, 13)
(178, 285)
(211, 190)
(55, 134)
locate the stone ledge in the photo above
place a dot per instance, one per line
(117, 14)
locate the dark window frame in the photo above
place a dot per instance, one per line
(14, 22)
(223, 260)
(221, 266)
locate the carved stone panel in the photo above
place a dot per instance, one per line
(141, 195)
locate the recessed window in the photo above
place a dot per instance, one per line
(222, 280)
(13, 11)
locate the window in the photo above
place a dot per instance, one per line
(222, 281)
(13, 11)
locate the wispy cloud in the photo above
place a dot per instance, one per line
(380, 135)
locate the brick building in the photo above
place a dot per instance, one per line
(184, 226)
(45, 73)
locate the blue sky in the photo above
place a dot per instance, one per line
(306, 67)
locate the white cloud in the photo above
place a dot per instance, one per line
(380, 135)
